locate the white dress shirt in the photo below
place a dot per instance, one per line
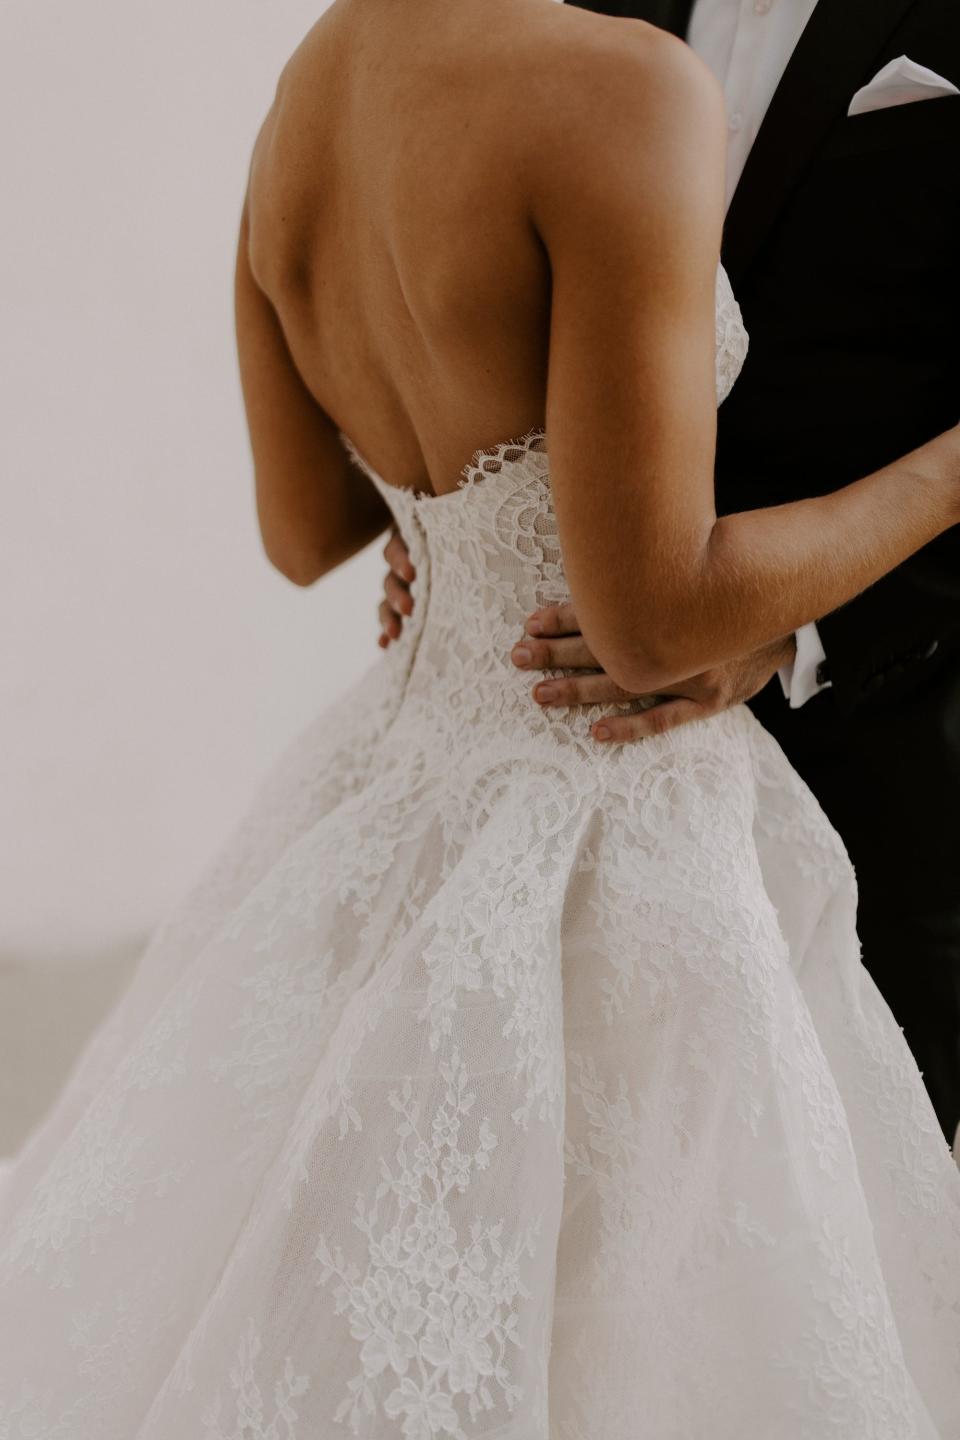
(747, 44)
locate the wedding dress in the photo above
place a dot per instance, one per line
(492, 1083)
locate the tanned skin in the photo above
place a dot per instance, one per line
(469, 218)
(552, 641)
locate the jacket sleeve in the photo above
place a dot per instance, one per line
(885, 642)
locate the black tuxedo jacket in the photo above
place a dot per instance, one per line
(843, 245)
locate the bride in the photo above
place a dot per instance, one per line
(494, 1081)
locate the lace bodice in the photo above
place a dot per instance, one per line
(732, 343)
(486, 555)
(732, 339)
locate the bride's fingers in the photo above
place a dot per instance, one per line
(567, 653)
(397, 594)
(655, 721)
(579, 690)
(554, 620)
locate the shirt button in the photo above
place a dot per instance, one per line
(735, 121)
(762, 7)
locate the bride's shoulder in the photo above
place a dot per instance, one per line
(617, 50)
(618, 96)
(607, 80)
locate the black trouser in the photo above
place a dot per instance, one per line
(888, 776)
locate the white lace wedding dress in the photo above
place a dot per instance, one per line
(492, 1083)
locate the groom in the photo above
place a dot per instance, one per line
(842, 241)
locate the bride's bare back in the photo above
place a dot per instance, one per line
(388, 222)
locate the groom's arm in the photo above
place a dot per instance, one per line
(552, 641)
(886, 640)
(891, 646)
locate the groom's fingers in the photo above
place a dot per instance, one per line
(397, 557)
(554, 620)
(567, 653)
(390, 622)
(579, 690)
(656, 721)
(398, 595)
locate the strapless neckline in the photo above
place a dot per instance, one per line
(486, 460)
(731, 349)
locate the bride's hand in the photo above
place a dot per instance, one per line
(552, 641)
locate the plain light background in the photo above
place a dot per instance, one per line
(152, 663)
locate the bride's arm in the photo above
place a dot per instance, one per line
(314, 507)
(628, 203)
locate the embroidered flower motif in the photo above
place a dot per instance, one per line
(277, 1030)
(424, 1415)
(434, 1308)
(252, 1421)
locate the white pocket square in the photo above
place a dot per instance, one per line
(900, 83)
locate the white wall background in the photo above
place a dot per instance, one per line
(151, 661)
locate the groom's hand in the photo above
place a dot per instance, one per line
(397, 600)
(552, 641)
(558, 645)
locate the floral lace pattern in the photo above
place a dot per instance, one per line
(494, 1085)
(441, 1315)
(251, 1421)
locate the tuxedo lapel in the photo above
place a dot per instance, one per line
(674, 15)
(833, 58)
